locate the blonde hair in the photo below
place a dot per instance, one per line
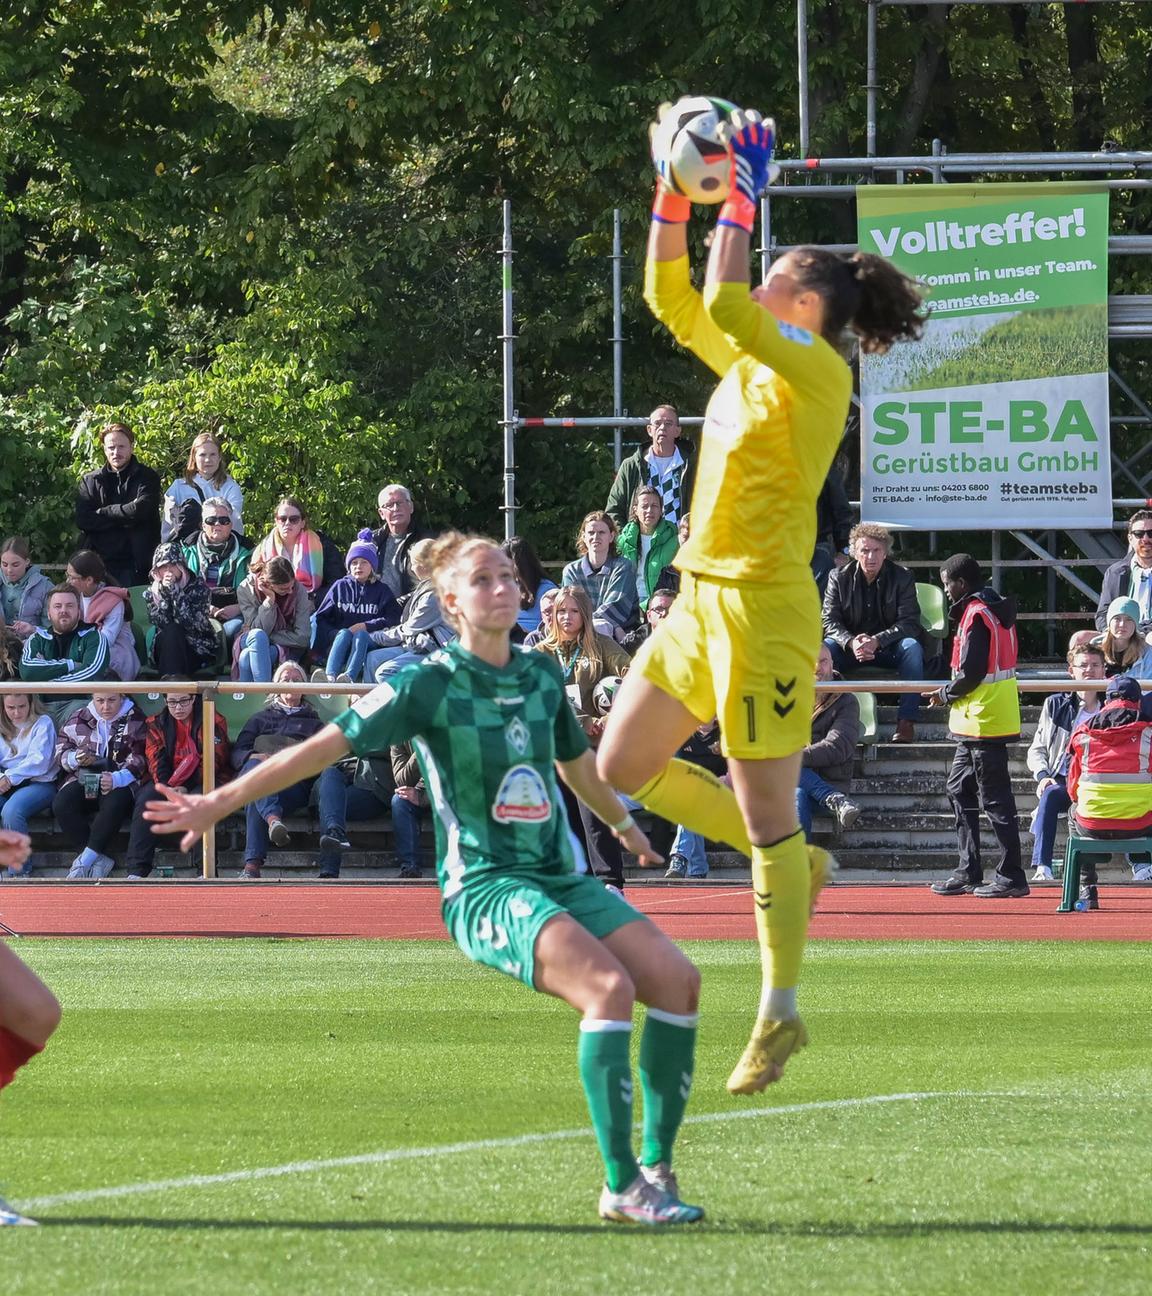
(1131, 653)
(420, 555)
(190, 470)
(588, 641)
(287, 668)
(8, 730)
(443, 556)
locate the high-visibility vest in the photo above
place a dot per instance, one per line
(1112, 776)
(992, 709)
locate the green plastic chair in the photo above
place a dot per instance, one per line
(869, 730)
(933, 610)
(238, 708)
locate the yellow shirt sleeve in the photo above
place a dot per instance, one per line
(804, 360)
(669, 293)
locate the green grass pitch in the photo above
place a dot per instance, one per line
(1023, 1165)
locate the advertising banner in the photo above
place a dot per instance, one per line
(998, 416)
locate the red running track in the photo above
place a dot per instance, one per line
(412, 912)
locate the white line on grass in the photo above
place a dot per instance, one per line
(387, 1155)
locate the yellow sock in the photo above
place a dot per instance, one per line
(687, 794)
(780, 884)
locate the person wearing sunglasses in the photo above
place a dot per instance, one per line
(220, 557)
(291, 538)
(1131, 576)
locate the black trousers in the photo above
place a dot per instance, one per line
(979, 780)
(92, 823)
(142, 841)
(600, 844)
(173, 655)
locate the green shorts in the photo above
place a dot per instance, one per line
(496, 919)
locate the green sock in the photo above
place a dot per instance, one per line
(606, 1074)
(667, 1054)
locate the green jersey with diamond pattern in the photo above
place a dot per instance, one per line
(486, 738)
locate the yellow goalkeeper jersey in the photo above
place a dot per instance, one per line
(770, 433)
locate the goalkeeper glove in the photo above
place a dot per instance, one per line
(751, 139)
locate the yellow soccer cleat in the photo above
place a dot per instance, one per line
(822, 868)
(762, 1064)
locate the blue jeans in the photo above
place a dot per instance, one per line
(691, 845)
(232, 628)
(383, 662)
(23, 802)
(1054, 801)
(906, 658)
(333, 803)
(812, 794)
(255, 658)
(348, 653)
(406, 826)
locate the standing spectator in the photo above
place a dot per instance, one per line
(409, 805)
(172, 748)
(118, 509)
(182, 640)
(1124, 649)
(23, 588)
(547, 605)
(288, 719)
(395, 539)
(1131, 577)
(834, 517)
(607, 579)
(219, 556)
(422, 629)
(668, 463)
(872, 618)
(66, 649)
(532, 581)
(101, 751)
(1060, 716)
(659, 605)
(355, 606)
(826, 763)
(276, 619)
(984, 717)
(290, 538)
(649, 542)
(205, 477)
(108, 608)
(28, 765)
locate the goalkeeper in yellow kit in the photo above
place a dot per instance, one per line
(741, 641)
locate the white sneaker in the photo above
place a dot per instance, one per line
(1142, 872)
(1042, 873)
(643, 1203)
(845, 812)
(10, 1216)
(662, 1176)
(103, 866)
(79, 870)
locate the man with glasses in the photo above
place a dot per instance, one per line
(220, 558)
(668, 462)
(172, 747)
(1131, 577)
(395, 538)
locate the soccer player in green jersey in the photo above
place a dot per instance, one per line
(490, 724)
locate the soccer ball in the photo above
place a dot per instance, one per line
(604, 694)
(689, 149)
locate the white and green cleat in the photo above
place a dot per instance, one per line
(10, 1216)
(643, 1202)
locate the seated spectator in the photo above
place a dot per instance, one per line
(1110, 777)
(872, 618)
(826, 762)
(219, 556)
(118, 509)
(291, 539)
(108, 608)
(205, 477)
(182, 640)
(669, 578)
(659, 605)
(23, 588)
(1131, 577)
(11, 651)
(533, 583)
(101, 752)
(28, 765)
(354, 607)
(288, 719)
(668, 462)
(586, 657)
(687, 857)
(1082, 639)
(649, 541)
(276, 621)
(1048, 756)
(395, 539)
(834, 515)
(173, 749)
(607, 579)
(66, 649)
(547, 603)
(1125, 652)
(422, 629)
(409, 806)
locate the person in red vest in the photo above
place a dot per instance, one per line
(1110, 775)
(984, 717)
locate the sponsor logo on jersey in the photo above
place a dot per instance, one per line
(508, 701)
(795, 334)
(518, 735)
(522, 797)
(520, 909)
(369, 703)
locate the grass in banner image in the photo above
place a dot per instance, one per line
(971, 350)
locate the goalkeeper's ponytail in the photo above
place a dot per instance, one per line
(863, 292)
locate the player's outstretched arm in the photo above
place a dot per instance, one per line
(581, 776)
(192, 815)
(15, 848)
(668, 235)
(752, 140)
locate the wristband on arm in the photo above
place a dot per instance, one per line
(670, 208)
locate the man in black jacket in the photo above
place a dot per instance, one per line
(872, 618)
(118, 509)
(1131, 577)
